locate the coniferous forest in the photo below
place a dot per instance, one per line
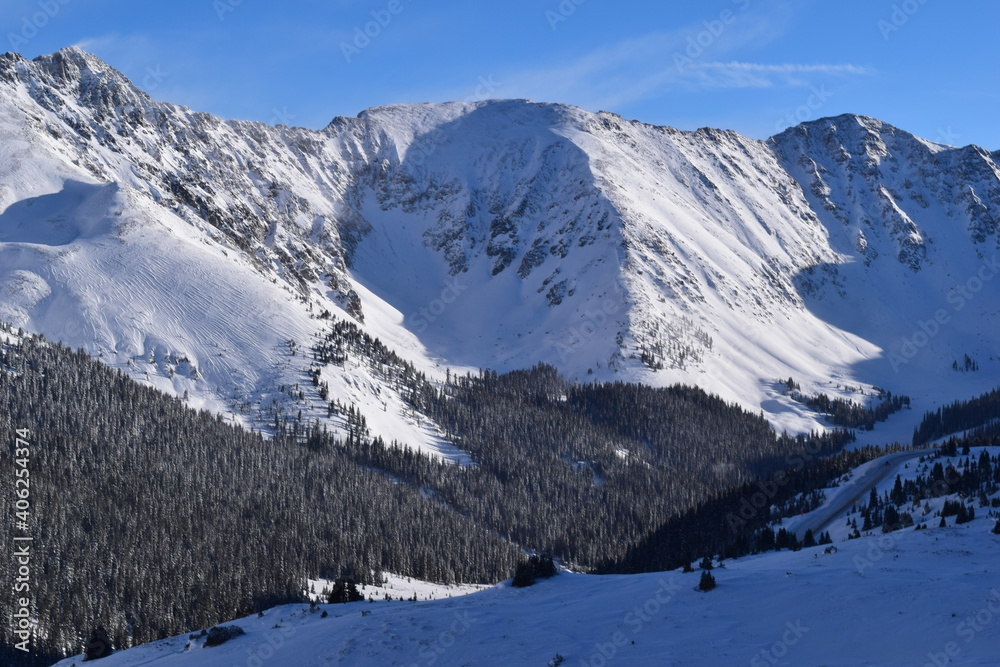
(980, 413)
(151, 519)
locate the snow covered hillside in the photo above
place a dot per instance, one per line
(909, 597)
(204, 256)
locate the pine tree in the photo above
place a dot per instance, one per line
(707, 581)
(524, 575)
(890, 520)
(344, 591)
(898, 496)
(98, 646)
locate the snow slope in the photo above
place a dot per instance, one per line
(845, 253)
(906, 598)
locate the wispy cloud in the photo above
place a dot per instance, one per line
(795, 68)
(639, 69)
(761, 75)
(618, 74)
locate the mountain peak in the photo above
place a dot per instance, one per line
(842, 123)
(68, 61)
(87, 78)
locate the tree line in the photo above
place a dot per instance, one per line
(958, 416)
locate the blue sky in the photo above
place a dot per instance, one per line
(927, 66)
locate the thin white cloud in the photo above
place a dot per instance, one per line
(613, 76)
(791, 68)
(759, 75)
(618, 74)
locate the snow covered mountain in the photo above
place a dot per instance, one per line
(204, 255)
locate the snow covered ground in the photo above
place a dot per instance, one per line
(397, 586)
(907, 598)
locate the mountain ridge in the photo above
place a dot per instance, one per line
(499, 234)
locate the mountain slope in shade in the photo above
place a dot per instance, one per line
(200, 254)
(919, 224)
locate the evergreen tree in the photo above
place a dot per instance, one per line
(524, 575)
(344, 591)
(98, 646)
(890, 521)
